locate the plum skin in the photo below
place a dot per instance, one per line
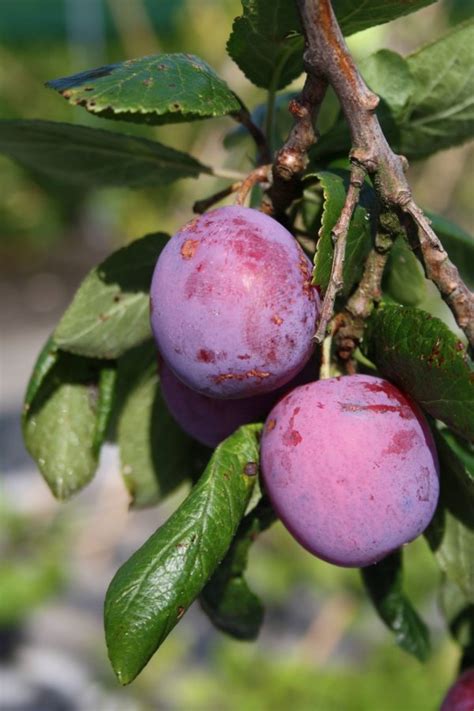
(211, 420)
(351, 468)
(460, 696)
(233, 310)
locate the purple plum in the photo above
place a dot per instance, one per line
(350, 466)
(210, 420)
(460, 696)
(233, 310)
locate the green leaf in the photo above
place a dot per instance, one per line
(454, 553)
(227, 599)
(355, 16)
(61, 428)
(159, 89)
(105, 405)
(155, 454)
(359, 238)
(266, 40)
(425, 359)
(154, 588)
(404, 280)
(47, 358)
(456, 459)
(264, 43)
(460, 616)
(110, 311)
(79, 155)
(458, 243)
(383, 582)
(389, 76)
(427, 99)
(441, 112)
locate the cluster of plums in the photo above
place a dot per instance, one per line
(348, 463)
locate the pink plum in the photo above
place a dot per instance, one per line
(351, 469)
(210, 420)
(233, 310)
(460, 696)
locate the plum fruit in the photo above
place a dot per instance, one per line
(350, 467)
(210, 420)
(460, 696)
(233, 310)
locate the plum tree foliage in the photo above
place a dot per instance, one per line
(349, 459)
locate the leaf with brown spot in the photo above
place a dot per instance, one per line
(419, 353)
(140, 90)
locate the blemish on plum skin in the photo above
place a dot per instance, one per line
(277, 320)
(271, 424)
(401, 443)
(423, 491)
(245, 356)
(241, 376)
(206, 356)
(188, 248)
(403, 411)
(292, 437)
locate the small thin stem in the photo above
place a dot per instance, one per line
(339, 235)
(201, 206)
(443, 272)
(269, 117)
(228, 174)
(243, 117)
(259, 175)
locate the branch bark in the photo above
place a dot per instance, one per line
(292, 159)
(328, 61)
(350, 323)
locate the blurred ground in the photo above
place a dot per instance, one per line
(322, 647)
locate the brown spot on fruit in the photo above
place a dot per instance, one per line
(423, 481)
(241, 376)
(181, 611)
(277, 320)
(271, 424)
(188, 248)
(251, 469)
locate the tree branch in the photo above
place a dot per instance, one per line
(339, 236)
(327, 57)
(350, 323)
(292, 159)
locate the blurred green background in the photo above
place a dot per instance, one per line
(322, 647)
